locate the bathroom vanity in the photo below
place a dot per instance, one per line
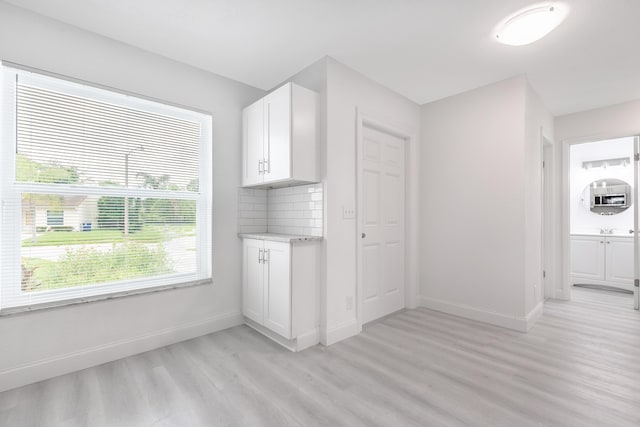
(602, 259)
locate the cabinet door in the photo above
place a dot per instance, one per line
(277, 140)
(277, 299)
(587, 257)
(253, 280)
(252, 143)
(619, 254)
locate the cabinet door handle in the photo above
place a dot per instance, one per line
(267, 166)
(601, 241)
(260, 167)
(608, 242)
(260, 256)
(266, 255)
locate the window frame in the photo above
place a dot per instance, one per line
(11, 193)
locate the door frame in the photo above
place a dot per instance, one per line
(548, 224)
(411, 230)
(565, 288)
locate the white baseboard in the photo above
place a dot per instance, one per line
(341, 332)
(308, 339)
(534, 315)
(71, 362)
(481, 315)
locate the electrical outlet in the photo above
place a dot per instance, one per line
(349, 303)
(348, 212)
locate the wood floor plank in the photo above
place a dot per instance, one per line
(579, 365)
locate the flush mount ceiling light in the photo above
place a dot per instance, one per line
(530, 24)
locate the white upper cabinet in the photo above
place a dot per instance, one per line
(280, 141)
(253, 132)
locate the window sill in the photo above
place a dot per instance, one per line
(64, 303)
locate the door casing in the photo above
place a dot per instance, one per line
(411, 209)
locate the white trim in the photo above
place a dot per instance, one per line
(548, 219)
(308, 339)
(304, 341)
(99, 297)
(411, 211)
(59, 365)
(517, 323)
(342, 331)
(534, 315)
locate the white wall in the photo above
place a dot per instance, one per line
(347, 93)
(614, 121)
(41, 344)
(477, 191)
(582, 220)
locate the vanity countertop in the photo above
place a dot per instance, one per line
(602, 234)
(277, 237)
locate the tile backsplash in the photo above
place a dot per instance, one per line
(252, 210)
(288, 210)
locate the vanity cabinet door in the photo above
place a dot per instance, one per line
(588, 257)
(619, 255)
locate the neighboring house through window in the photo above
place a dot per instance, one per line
(103, 193)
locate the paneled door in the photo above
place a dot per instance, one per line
(381, 201)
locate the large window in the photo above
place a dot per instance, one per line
(102, 193)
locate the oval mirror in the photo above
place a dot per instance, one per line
(608, 196)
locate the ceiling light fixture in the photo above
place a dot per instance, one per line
(530, 24)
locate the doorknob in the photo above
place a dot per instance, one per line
(364, 235)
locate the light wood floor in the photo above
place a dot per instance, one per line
(580, 365)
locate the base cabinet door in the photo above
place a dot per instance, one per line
(619, 256)
(253, 280)
(587, 257)
(277, 289)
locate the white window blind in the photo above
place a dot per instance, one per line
(102, 193)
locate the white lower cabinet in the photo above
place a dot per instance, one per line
(280, 291)
(602, 260)
(619, 260)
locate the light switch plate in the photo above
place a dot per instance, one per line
(348, 212)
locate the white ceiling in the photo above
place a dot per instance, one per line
(423, 49)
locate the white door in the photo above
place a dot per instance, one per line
(253, 280)
(619, 255)
(252, 143)
(278, 134)
(587, 257)
(382, 223)
(277, 279)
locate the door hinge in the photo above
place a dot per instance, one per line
(636, 157)
(544, 274)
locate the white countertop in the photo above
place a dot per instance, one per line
(602, 234)
(276, 237)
